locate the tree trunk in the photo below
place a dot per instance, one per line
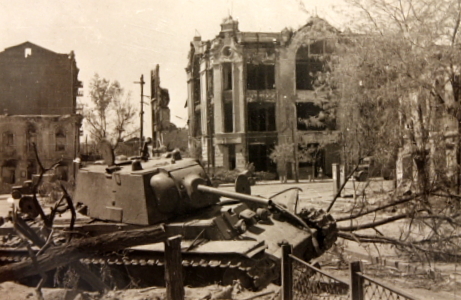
(63, 255)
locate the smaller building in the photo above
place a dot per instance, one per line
(56, 138)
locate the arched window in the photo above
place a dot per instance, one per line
(60, 140)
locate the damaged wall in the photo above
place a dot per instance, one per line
(34, 80)
(56, 138)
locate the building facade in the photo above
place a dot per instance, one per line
(38, 92)
(34, 81)
(248, 91)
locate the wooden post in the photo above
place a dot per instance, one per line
(357, 291)
(287, 273)
(173, 269)
(336, 178)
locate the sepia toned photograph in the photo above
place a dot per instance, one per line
(230, 149)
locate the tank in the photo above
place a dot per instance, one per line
(226, 236)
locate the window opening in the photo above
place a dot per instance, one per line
(261, 116)
(8, 139)
(228, 117)
(27, 52)
(60, 140)
(196, 81)
(31, 136)
(260, 77)
(31, 169)
(227, 76)
(198, 123)
(9, 172)
(231, 157)
(311, 64)
(309, 116)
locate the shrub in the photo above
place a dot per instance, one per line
(262, 176)
(225, 176)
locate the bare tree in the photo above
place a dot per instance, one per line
(282, 155)
(110, 116)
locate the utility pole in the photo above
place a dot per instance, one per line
(141, 82)
(155, 100)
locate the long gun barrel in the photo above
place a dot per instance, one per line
(251, 199)
(234, 195)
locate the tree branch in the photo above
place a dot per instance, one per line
(361, 214)
(374, 224)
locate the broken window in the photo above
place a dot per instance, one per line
(60, 140)
(260, 77)
(309, 116)
(261, 116)
(27, 52)
(311, 64)
(228, 117)
(227, 76)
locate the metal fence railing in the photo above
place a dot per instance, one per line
(301, 280)
(310, 282)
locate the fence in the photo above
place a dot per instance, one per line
(365, 287)
(301, 280)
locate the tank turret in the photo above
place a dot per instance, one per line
(148, 194)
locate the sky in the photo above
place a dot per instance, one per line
(122, 40)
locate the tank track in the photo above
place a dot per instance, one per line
(252, 273)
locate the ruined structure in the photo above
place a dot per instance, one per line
(248, 91)
(34, 81)
(56, 138)
(160, 99)
(38, 92)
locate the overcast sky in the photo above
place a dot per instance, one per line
(120, 40)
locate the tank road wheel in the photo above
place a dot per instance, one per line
(231, 275)
(28, 206)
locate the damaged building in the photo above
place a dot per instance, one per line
(160, 99)
(38, 95)
(249, 91)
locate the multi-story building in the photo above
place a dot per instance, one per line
(35, 81)
(38, 92)
(248, 91)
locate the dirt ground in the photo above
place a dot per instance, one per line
(14, 291)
